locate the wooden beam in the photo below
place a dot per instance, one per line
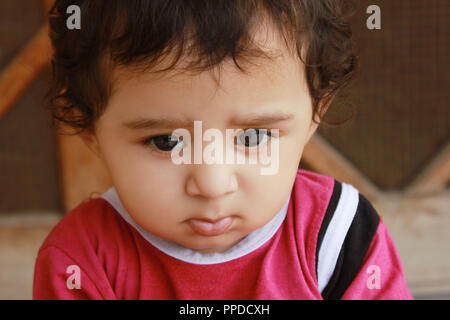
(24, 68)
(435, 176)
(323, 158)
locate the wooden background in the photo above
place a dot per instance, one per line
(402, 92)
(28, 151)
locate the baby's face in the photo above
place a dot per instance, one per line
(169, 199)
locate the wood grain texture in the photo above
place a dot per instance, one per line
(320, 156)
(24, 69)
(435, 176)
(400, 95)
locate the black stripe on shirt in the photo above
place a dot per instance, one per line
(335, 196)
(354, 249)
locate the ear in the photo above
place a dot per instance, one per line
(90, 140)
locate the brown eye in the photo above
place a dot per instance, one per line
(253, 137)
(164, 142)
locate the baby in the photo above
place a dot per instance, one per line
(134, 80)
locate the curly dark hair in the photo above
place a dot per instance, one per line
(140, 33)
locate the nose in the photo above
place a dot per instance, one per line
(211, 181)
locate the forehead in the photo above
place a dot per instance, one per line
(224, 87)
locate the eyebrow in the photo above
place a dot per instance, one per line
(263, 119)
(156, 123)
(170, 123)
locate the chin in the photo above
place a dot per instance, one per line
(203, 244)
(220, 244)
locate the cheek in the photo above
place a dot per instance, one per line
(152, 182)
(265, 189)
(151, 199)
(265, 199)
(290, 154)
(133, 166)
(147, 187)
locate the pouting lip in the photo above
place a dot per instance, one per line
(209, 220)
(214, 228)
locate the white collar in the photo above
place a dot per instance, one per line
(251, 242)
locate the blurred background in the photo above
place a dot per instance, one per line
(395, 150)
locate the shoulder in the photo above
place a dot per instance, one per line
(348, 229)
(87, 241)
(319, 183)
(343, 224)
(89, 224)
(311, 194)
(332, 206)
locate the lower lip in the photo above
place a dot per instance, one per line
(209, 229)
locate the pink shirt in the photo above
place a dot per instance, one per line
(119, 260)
